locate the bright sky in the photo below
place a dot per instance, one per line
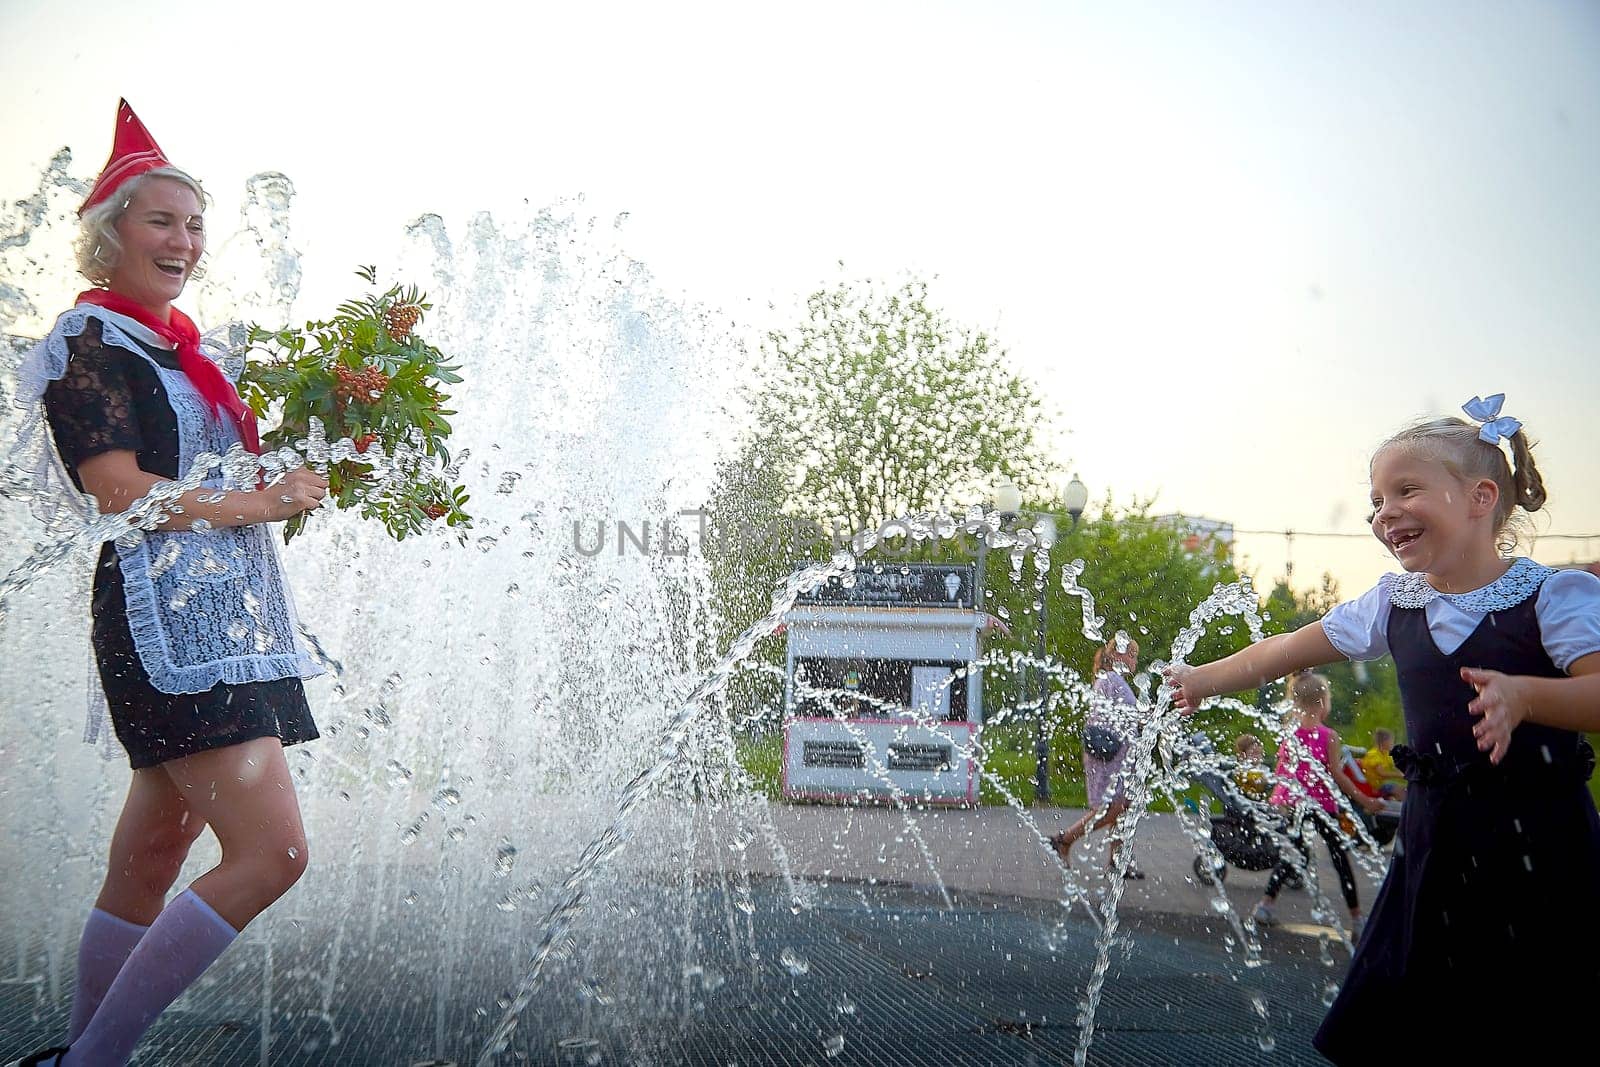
(1236, 244)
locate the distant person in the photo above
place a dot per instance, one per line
(1250, 767)
(1108, 729)
(1308, 759)
(1482, 943)
(1378, 766)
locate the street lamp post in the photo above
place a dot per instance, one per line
(1044, 528)
(1073, 499)
(1007, 501)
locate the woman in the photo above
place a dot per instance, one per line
(1105, 753)
(193, 629)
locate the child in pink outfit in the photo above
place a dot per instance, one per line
(1307, 762)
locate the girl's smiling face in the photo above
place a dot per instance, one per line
(162, 235)
(1423, 513)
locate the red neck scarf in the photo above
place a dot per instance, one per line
(206, 376)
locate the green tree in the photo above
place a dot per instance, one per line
(750, 545)
(887, 408)
(873, 406)
(1146, 576)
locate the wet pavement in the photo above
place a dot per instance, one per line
(865, 973)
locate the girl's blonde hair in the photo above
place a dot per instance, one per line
(1308, 686)
(1455, 443)
(98, 247)
(1121, 644)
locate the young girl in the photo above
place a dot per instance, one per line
(193, 628)
(1482, 939)
(1302, 785)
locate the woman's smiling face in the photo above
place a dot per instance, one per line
(163, 235)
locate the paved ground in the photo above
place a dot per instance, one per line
(698, 965)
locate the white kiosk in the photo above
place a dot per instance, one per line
(899, 637)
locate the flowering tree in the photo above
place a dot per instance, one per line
(885, 407)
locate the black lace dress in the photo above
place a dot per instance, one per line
(112, 399)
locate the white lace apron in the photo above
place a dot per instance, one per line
(204, 607)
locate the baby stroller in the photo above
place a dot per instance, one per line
(1239, 834)
(1243, 834)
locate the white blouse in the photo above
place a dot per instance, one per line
(1568, 609)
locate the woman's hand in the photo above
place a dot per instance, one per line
(1370, 805)
(1502, 703)
(302, 489)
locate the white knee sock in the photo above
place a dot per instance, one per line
(186, 938)
(107, 941)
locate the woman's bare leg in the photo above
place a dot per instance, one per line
(1093, 819)
(245, 793)
(148, 847)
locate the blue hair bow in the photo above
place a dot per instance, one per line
(1496, 427)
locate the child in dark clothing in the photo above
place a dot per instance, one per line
(1481, 944)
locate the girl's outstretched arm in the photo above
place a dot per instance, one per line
(1254, 665)
(1504, 700)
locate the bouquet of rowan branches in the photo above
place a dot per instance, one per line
(376, 389)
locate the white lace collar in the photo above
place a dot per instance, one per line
(1517, 584)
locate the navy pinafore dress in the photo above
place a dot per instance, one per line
(1484, 939)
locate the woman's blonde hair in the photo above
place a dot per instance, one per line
(98, 247)
(1455, 443)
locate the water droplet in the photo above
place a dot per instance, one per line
(456, 833)
(411, 897)
(446, 798)
(505, 857)
(589, 989)
(844, 1005)
(793, 962)
(833, 1045)
(293, 853)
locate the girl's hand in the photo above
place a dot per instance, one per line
(1178, 676)
(1371, 805)
(1502, 703)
